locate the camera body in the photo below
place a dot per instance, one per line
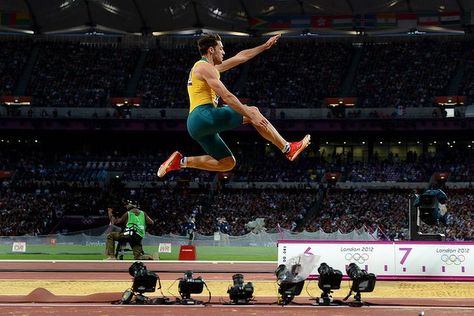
(117, 206)
(431, 205)
(362, 281)
(240, 293)
(189, 285)
(143, 280)
(329, 279)
(118, 211)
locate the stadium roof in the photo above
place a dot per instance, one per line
(139, 16)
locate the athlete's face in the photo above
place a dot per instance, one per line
(218, 55)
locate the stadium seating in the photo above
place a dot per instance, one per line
(297, 73)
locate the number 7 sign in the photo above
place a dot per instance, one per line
(405, 256)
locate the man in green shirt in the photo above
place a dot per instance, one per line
(135, 221)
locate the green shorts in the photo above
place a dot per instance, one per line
(206, 121)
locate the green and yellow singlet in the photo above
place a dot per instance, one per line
(199, 91)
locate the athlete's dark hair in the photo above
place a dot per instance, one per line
(208, 40)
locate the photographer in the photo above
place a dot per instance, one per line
(135, 221)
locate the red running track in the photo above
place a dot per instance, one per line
(99, 304)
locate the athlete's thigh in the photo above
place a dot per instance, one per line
(214, 146)
(226, 118)
(208, 120)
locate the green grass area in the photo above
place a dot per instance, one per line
(205, 253)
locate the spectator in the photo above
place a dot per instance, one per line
(189, 230)
(224, 230)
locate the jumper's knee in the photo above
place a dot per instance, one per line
(227, 163)
(254, 110)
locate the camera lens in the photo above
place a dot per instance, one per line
(136, 268)
(188, 275)
(238, 279)
(324, 269)
(354, 272)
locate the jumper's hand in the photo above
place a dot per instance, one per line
(272, 41)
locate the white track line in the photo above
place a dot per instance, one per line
(88, 305)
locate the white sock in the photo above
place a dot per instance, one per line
(286, 148)
(183, 162)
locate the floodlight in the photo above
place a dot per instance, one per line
(240, 293)
(290, 285)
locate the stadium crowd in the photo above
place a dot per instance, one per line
(283, 208)
(346, 210)
(13, 58)
(405, 74)
(95, 74)
(34, 211)
(385, 212)
(91, 168)
(47, 185)
(320, 69)
(394, 74)
(467, 83)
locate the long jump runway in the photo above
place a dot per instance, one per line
(90, 287)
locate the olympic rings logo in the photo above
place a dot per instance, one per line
(357, 257)
(453, 259)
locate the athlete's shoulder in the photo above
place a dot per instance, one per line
(205, 69)
(203, 63)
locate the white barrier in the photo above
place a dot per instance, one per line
(404, 260)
